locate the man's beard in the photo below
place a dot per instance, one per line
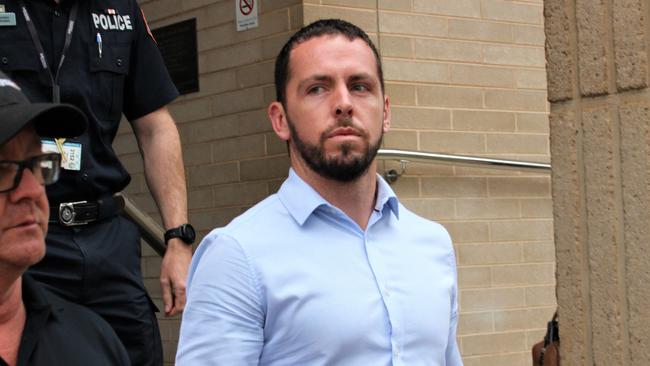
(343, 167)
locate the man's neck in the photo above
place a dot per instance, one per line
(12, 321)
(356, 198)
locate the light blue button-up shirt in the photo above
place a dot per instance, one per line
(294, 281)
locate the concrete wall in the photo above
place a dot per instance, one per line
(598, 84)
(464, 77)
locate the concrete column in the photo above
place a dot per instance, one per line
(597, 63)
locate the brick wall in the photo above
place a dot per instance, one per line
(464, 77)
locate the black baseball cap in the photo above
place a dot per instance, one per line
(49, 119)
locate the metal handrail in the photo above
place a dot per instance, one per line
(150, 230)
(153, 233)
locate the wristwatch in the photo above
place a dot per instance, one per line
(185, 232)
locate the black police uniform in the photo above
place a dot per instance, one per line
(58, 332)
(111, 66)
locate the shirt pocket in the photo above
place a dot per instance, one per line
(20, 62)
(108, 72)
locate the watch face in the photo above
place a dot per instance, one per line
(188, 233)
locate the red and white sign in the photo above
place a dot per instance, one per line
(246, 11)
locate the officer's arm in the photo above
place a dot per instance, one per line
(160, 146)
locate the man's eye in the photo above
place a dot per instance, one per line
(317, 89)
(360, 87)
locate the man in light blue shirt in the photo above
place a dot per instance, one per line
(331, 270)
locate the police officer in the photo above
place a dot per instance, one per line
(101, 57)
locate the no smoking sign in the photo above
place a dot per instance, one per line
(246, 11)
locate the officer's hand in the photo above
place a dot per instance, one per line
(173, 276)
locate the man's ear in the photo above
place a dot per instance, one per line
(278, 118)
(386, 121)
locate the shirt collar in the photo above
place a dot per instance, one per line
(301, 200)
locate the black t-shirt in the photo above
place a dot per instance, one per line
(58, 332)
(127, 76)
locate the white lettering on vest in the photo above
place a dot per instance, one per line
(112, 22)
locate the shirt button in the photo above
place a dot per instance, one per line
(84, 176)
(5, 60)
(57, 13)
(395, 351)
(119, 62)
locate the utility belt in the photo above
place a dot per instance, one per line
(85, 212)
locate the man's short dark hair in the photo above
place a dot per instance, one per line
(317, 29)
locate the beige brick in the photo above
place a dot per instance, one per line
(519, 187)
(522, 230)
(296, 16)
(395, 5)
(408, 187)
(238, 101)
(253, 122)
(237, 55)
(396, 47)
(492, 299)
(537, 208)
(468, 231)
(453, 142)
(213, 218)
(401, 94)
(238, 148)
(515, 359)
(472, 323)
(405, 140)
(486, 208)
(482, 254)
(513, 55)
(531, 79)
(370, 4)
(443, 50)
(440, 96)
(255, 75)
(132, 162)
(191, 111)
(539, 252)
(425, 72)
(512, 11)
(540, 295)
(532, 122)
(432, 209)
(524, 274)
(257, 169)
(274, 145)
(510, 320)
(365, 19)
(630, 50)
(271, 46)
(533, 101)
(239, 194)
(277, 4)
(472, 277)
(536, 318)
(479, 30)
(415, 168)
(454, 187)
(483, 121)
(218, 82)
(212, 129)
(420, 118)
(517, 144)
(593, 35)
(531, 35)
(268, 93)
(151, 266)
(197, 154)
(213, 174)
(491, 343)
(473, 75)
(200, 198)
(412, 24)
(464, 8)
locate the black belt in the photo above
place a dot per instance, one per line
(84, 212)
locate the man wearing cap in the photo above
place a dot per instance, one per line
(101, 57)
(36, 326)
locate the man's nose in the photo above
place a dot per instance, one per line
(28, 187)
(343, 103)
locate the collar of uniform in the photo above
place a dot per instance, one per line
(301, 200)
(38, 310)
